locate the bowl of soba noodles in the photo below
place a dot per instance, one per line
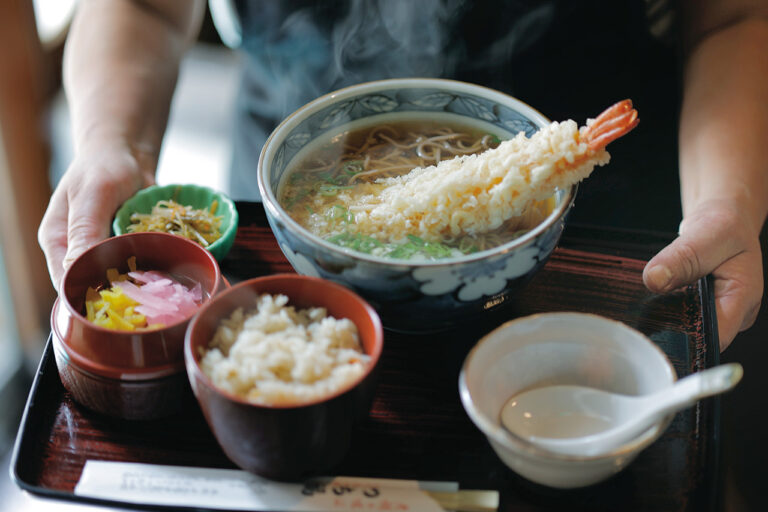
(392, 189)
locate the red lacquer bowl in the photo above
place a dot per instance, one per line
(98, 365)
(285, 441)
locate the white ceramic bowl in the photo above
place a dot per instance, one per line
(560, 348)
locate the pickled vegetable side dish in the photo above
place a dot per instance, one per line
(140, 300)
(199, 225)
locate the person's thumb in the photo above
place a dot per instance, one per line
(700, 249)
(87, 224)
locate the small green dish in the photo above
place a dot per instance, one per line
(195, 196)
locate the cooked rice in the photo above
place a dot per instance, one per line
(277, 354)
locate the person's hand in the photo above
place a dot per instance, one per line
(80, 212)
(718, 238)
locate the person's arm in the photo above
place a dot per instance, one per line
(723, 161)
(120, 67)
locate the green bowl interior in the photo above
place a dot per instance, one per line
(190, 195)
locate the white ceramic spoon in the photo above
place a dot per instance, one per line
(577, 420)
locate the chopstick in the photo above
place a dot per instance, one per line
(466, 500)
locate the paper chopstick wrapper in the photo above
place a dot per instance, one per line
(229, 489)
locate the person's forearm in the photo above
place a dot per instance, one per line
(724, 121)
(120, 68)
(723, 161)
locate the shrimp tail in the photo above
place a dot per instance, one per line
(616, 121)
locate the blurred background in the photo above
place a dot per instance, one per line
(35, 149)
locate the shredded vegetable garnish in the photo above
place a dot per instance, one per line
(201, 226)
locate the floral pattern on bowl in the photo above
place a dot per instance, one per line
(492, 279)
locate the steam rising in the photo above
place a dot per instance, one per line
(296, 54)
(298, 51)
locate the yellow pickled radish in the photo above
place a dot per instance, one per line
(112, 309)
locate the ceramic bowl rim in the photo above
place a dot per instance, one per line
(218, 279)
(517, 444)
(224, 201)
(195, 371)
(273, 207)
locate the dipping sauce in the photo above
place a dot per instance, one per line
(554, 424)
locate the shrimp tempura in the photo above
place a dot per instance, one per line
(478, 193)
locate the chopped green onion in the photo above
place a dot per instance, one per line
(340, 213)
(356, 241)
(331, 190)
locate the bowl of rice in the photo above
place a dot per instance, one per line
(283, 367)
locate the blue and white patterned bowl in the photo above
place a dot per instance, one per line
(410, 296)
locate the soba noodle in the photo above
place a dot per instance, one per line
(317, 192)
